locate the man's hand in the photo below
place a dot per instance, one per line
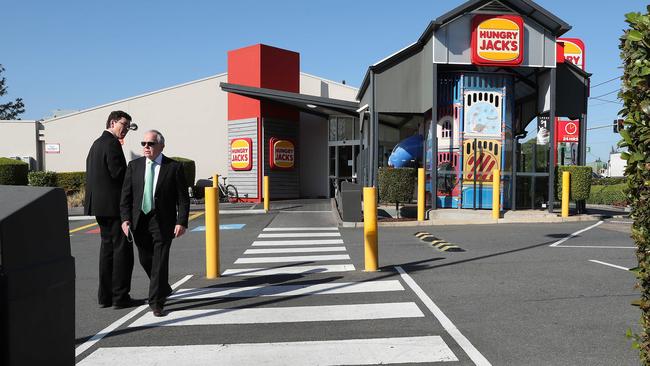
(179, 230)
(125, 228)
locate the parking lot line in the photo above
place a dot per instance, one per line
(446, 323)
(575, 234)
(83, 227)
(609, 264)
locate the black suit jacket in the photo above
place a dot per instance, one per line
(105, 167)
(171, 199)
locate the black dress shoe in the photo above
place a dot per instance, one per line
(158, 312)
(129, 303)
(105, 305)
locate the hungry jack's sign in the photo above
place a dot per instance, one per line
(497, 40)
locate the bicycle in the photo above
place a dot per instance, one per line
(228, 192)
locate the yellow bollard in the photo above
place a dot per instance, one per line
(212, 230)
(566, 188)
(266, 193)
(496, 193)
(370, 228)
(420, 194)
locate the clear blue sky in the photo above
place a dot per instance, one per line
(79, 54)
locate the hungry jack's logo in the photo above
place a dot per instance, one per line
(282, 154)
(497, 40)
(241, 154)
(574, 51)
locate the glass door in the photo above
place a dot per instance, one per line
(343, 151)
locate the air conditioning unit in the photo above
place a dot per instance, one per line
(29, 160)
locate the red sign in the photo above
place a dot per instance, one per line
(497, 40)
(574, 51)
(241, 154)
(282, 153)
(567, 131)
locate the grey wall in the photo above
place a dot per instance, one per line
(283, 183)
(452, 43)
(246, 181)
(19, 138)
(408, 86)
(313, 158)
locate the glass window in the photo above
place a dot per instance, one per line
(332, 129)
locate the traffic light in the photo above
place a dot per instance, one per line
(618, 125)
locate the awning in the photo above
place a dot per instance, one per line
(321, 106)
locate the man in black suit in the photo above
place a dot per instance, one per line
(155, 206)
(105, 168)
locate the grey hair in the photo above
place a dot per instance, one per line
(159, 136)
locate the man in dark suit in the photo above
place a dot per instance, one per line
(105, 168)
(155, 206)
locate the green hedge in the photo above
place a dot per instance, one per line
(71, 182)
(580, 181)
(42, 179)
(608, 181)
(608, 195)
(396, 185)
(13, 172)
(189, 167)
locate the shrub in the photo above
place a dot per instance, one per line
(42, 179)
(608, 195)
(580, 182)
(608, 181)
(396, 185)
(13, 172)
(76, 199)
(635, 94)
(189, 167)
(71, 182)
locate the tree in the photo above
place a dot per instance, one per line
(9, 110)
(635, 93)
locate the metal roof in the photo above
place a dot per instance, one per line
(307, 103)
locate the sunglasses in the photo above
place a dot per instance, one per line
(148, 143)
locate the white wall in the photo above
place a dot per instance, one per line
(616, 165)
(192, 117)
(18, 138)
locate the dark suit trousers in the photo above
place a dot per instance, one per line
(115, 262)
(153, 251)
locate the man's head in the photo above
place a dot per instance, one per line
(153, 144)
(119, 123)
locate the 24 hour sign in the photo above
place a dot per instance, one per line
(497, 40)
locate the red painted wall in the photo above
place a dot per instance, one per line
(264, 67)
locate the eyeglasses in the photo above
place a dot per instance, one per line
(125, 124)
(148, 143)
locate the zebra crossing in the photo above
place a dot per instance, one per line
(310, 253)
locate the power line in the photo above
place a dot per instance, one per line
(606, 81)
(602, 95)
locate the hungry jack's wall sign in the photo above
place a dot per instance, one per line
(497, 40)
(282, 153)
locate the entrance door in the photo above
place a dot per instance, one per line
(344, 148)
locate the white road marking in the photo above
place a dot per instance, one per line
(609, 264)
(373, 351)
(595, 247)
(258, 243)
(296, 258)
(575, 234)
(298, 235)
(325, 268)
(97, 337)
(465, 344)
(289, 290)
(291, 314)
(294, 250)
(621, 222)
(300, 229)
